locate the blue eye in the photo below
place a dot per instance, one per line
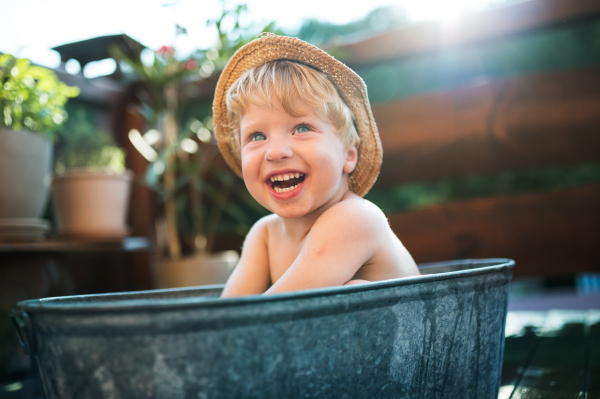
(258, 137)
(302, 129)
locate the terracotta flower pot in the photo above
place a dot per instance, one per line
(200, 269)
(25, 176)
(91, 203)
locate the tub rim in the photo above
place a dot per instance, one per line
(77, 303)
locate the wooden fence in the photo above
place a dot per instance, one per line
(535, 119)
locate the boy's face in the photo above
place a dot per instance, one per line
(293, 165)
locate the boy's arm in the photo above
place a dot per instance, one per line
(343, 239)
(251, 275)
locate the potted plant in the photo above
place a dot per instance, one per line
(32, 103)
(197, 191)
(91, 187)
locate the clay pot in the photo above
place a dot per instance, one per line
(91, 203)
(199, 269)
(25, 177)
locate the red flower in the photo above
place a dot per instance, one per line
(190, 65)
(165, 50)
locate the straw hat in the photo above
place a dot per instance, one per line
(270, 47)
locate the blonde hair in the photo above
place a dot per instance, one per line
(281, 82)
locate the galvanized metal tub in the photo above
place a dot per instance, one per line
(439, 335)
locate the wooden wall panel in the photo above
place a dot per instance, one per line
(524, 122)
(471, 28)
(553, 233)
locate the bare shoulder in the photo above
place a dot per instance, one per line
(357, 212)
(360, 222)
(260, 229)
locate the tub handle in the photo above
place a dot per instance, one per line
(24, 329)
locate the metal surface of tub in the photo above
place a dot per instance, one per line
(439, 335)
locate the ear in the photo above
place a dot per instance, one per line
(351, 158)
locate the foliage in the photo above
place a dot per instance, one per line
(214, 59)
(411, 196)
(81, 145)
(185, 168)
(31, 96)
(379, 19)
(166, 70)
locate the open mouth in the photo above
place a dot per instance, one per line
(286, 181)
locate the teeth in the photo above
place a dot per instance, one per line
(284, 190)
(285, 176)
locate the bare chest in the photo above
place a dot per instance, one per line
(282, 253)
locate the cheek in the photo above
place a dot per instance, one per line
(248, 161)
(251, 170)
(332, 159)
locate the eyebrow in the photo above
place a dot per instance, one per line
(252, 127)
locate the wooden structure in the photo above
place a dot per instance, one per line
(463, 109)
(58, 267)
(97, 49)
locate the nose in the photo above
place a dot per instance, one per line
(278, 149)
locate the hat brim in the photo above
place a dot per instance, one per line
(271, 47)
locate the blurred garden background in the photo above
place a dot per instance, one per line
(488, 112)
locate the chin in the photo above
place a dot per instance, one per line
(288, 212)
(290, 215)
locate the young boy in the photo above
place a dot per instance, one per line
(297, 126)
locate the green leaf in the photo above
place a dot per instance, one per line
(33, 95)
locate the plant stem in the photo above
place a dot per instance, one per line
(170, 126)
(217, 212)
(205, 158)
(197, 222)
